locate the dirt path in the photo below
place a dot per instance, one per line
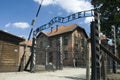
(65, 74)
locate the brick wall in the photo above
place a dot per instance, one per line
(43, 41)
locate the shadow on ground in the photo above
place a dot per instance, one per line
(73, 77)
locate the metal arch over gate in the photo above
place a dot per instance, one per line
(95, 41)
(82, 14)
(66, 19)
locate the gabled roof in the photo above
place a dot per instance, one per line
(8, 36)
(103, 37)
(28, 43)
(63, 29)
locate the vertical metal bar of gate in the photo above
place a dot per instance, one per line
(94, 72)
(32, 24)
(88, 60)
(33, 54)
(114, 46)
(98, 42)
(95, 42)
(61, 54)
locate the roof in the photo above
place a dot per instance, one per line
(63, 29)
(8, 36)
(28, 43)
(103, 37)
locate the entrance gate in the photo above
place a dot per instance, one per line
(96, 56)
(95, 41)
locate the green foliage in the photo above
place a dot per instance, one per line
(118, 42)
(110, 14)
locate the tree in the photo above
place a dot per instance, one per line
(110, 15)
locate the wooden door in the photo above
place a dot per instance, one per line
(8, 57)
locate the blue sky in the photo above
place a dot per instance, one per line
(16, 15)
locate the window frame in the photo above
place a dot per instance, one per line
(66, 55)
(65, 40)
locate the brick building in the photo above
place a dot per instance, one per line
(9, 51)
(73, 48)
(22, 47)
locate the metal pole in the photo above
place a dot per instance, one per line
(104, 66)
(61, 54)
(32, 24)
(33, 54)
(95, 42)
(46, 55)
(88, 61)
(57, 54)
(114, 47)
(99, 55)
(46, 63)
(94, 72)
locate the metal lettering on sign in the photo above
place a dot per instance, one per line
(77, 15)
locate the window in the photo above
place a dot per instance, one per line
(76, 41)
(50, 43)
(41, 44)
(56, 42)
(82, 56)
(76, 54)
(65, 40)
(65, 54)
(50, 57)
(0, 47)
(83, 42)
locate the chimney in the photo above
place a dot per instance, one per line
(51, 29)
(56, 28)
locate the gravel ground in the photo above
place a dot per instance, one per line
(114, 76)
(65, 74)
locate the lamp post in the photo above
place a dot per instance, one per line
(46, 59)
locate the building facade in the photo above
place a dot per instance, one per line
(25, 47)
(9, 51)
(63, 44)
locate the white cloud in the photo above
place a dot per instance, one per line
(23, 36)
(88, 19)
(75, 5)
(69, 5)
(8, 24)
(50, 12)
(22, 25)
(60, 13)
(46, 2)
